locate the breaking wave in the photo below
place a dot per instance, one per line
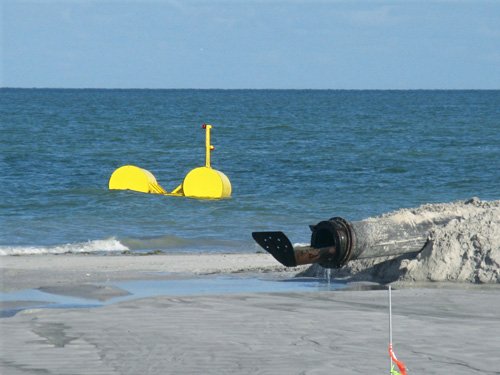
(94, 246)
(167, 243)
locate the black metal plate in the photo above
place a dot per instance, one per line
(278, 245)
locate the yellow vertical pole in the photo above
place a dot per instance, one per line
(208, 146)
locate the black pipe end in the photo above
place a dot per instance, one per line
(338, 233)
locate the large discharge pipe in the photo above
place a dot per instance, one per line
(336, 241)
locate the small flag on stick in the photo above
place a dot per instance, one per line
(401, 366)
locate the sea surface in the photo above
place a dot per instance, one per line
(294, 158)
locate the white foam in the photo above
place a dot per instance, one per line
(107, 245)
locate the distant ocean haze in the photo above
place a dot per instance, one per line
(294, 157)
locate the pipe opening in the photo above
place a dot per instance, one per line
(324, 237)
(337, 235)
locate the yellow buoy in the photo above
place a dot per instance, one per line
(130, 177)
(201, 182)
(205, 182)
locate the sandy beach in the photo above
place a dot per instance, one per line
(34, 271)
(450, 329)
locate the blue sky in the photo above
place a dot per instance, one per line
(251, 44)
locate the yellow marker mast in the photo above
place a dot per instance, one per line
(208, 146)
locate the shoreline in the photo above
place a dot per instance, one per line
(34, 271)
(35, 282)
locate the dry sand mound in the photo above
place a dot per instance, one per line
(464, 249)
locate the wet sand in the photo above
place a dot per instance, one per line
(451, 329)
(33, 271)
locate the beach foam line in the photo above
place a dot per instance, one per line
(93, 246)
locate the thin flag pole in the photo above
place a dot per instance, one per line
(390, 328)
(401, 366)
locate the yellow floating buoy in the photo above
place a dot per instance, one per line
(204, 182)
(130, 177)
(201, 182)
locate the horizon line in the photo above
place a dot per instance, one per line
(247, 89)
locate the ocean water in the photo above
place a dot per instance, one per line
(294, 157)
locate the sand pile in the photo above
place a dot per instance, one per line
(463, 246)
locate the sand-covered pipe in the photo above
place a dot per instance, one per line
(336, 241)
